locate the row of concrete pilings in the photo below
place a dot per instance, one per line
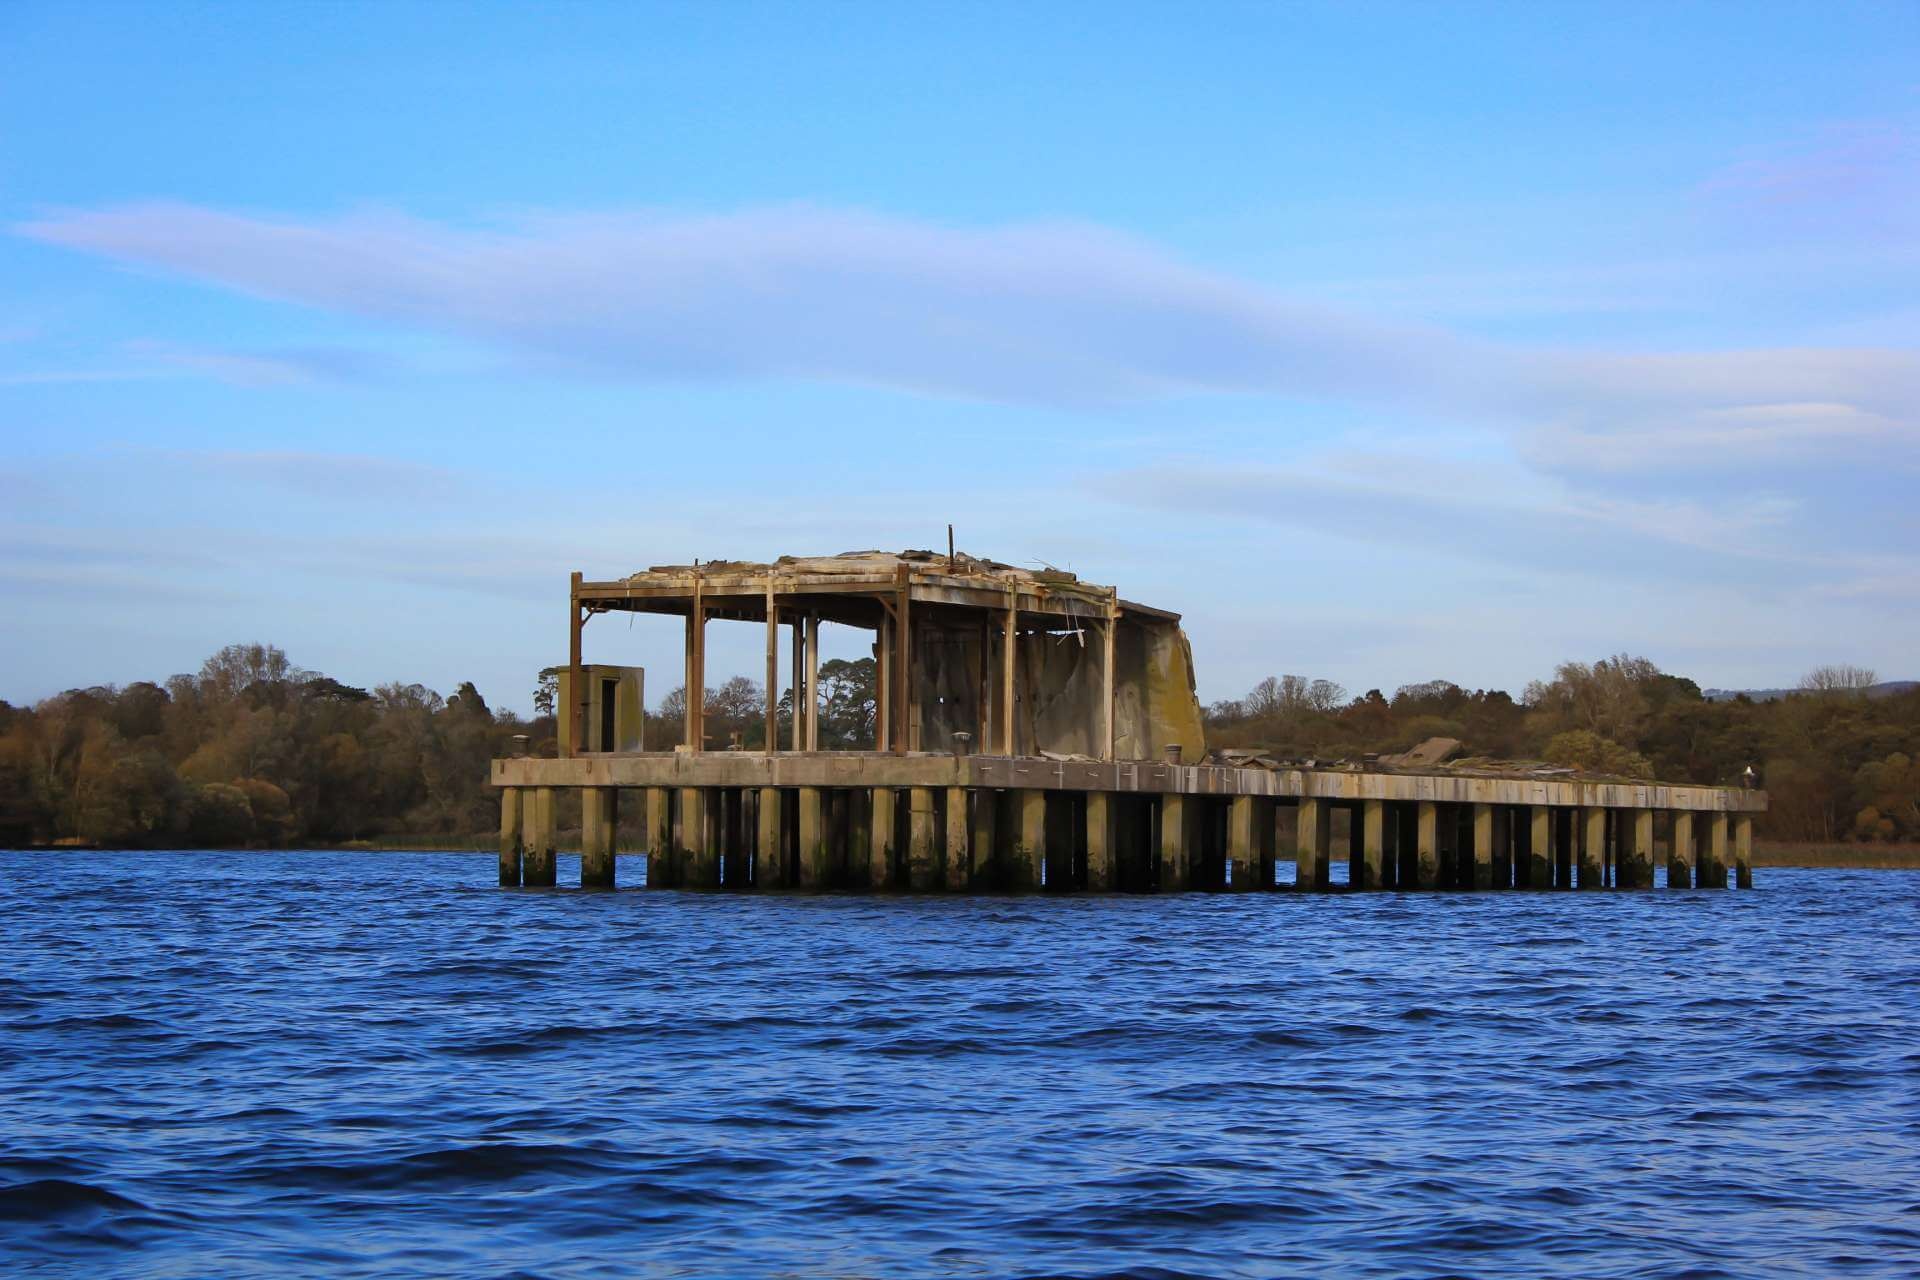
(968, 839)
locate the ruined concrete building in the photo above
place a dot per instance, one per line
(1034, 730)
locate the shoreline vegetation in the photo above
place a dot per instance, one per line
(253, 751)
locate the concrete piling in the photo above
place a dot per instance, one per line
(923, 852)
(1313, 845)
(1743, 850)
(1029, 851)
(984, 838)
(1636, 848)
(1100, 842)
(1426, 849)
(598, 816)
(1680, 851)
(1711, 872)
(538, 865)
(816, 859)
(1593, 848)
(1373, 845)
(959, 857)
(1240, 844)
(881, 840)
(694, 857)
(510, 845)
(769, 851)
(1482, 874)
(659, 802)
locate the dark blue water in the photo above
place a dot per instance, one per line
(377, 1065)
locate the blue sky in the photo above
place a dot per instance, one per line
(1385, 342)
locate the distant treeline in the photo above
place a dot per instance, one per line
(1838, 764)
(255, 751)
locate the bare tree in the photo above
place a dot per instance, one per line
(1839, 677)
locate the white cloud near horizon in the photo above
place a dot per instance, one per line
(1043, 313)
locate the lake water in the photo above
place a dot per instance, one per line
(377, 1064)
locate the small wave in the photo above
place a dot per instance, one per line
(58, 1198)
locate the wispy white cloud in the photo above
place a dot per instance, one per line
(1047, 313)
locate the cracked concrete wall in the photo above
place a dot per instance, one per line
(1059, 679)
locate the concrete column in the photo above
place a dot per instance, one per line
(857, 858)
(1636, 848)
(1426, 845)
(1313, 845)
(1029, 841)
(983, 837)
(510, 837)
(960, 874)
(880, 850)
(1480, 874)
(1680, 851)
(923, 849)
(1176, 850)
(1447, 827)
(816, 863)
(538, 870)
(1539, 847)
(1593, 844)
(1743, 850)
(659, 838)
(1240, 851)
(1502, 869)
(770, 846)
(1371, 837)
(596, 837)
(1100, 840)
(694, 857)
(1715, 863)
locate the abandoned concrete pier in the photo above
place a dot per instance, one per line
(1037, 732)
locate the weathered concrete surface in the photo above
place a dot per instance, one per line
(1680, 852)
(959, 858)
(882, 855)
(769, 846)
(923, 852)
(1029, 850)
(1100, 842)
(538, 868)
(1593, 847)
(510, 845)
(598, 816)
(1712, 871)
(929, 769)
(1743, 850)
(1313, 845)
